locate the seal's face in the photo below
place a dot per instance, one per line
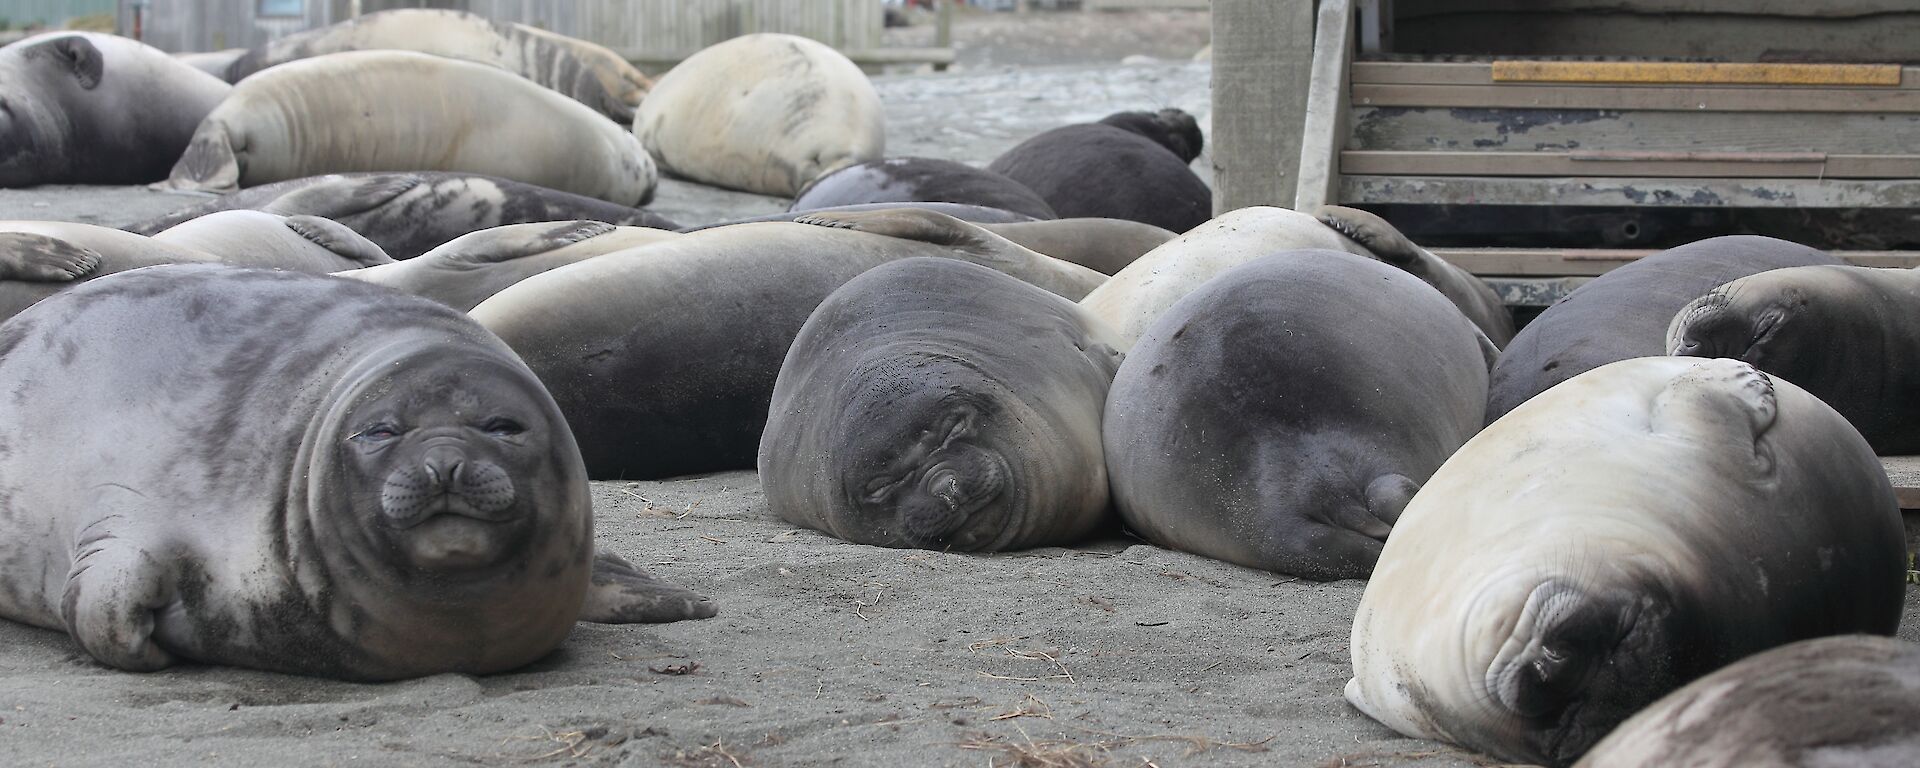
(926, 469)
(1734, 323)
(442, 458)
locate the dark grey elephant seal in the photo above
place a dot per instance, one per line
(664, 358)
(408, 214)
(85, 108)
(300, 243)
(471, 268)
(1472, 295)
(1849, 335)
(319, 477)
(1622, 534)
(1625, 313)
(1851, 700)
(1129, 165)
(906, 414)
(919, 180)
(1255, 422)
(591, 74)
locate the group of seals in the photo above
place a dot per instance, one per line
(405, 111)
(1130, 165)
(920, 180)
(317, 476)
(1613, 538)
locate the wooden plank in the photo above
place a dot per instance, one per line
(1751, 165)
(1688, 99)
(1603, 191)
(1481, 73)
(1904, 473)
(1694, 73)
(1579, 262)
(879, 56)
(1262, 57)
(1325, 126)
(1548, 129)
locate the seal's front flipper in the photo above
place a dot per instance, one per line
(904, 223)
(210, 163)
(338, 239)
(623, 594)
(41, 259)
(338, 198)
(112, 594)
(519, 246)
(1388, 495)
(1372, 233)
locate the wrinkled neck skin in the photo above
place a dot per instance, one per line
(35, 135)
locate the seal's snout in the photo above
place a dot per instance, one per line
(446, 481)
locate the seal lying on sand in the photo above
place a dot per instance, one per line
(404, 111)
(1472, 295)
(1221, 442)
(408, 214)
(1612, 539)
(762, 113)
(663, 359)
(906, 414)
(85, 108)
(300, 243)
(1130, 165)
(317, 476)
(471, 268)
(919, 180)
(1852, 700)
(1625, 313)
(1849, 335)
(591, 74)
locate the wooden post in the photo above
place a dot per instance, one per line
(1262, 57)
(1324, 132)
(943, 30)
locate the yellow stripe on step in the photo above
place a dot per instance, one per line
(1681, 73)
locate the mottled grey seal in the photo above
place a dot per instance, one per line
(85, 108)
(294, 473)
(919, 180)
(408, 214)
(1849, 335)
(300, 243)
(591, 74)
(763, 113)
(939, 404)
(664, 358)
(1612, 539)
(1472, 295)
(1257, 422)
(1129, 165)
(1624, 313)
(1835, 701)
(470, 268)
(405, 111)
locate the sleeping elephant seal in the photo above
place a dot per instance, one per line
(1472, 295)
(470, 268)
(974, 213)
(1223, 443)
(404, 111)
(591, 74)
(85, 108)
(762, 113)
(1130, 165)
(1612, 539)
(1138, 294)
(1102, 245)
(1834, 701)
(938, 404)
(316, 476)
(299, 243)
(215, 63)
(664, 358)
(919, 180)
(1625, 313)
(408, 214)
(1849, 335)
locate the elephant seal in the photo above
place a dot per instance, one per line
(319, 477)
(762, 113)
(371, 111)
(1130, 165)
(1102, 245)
(1834, 701)
(919, 180)
(1622, 534)
(300, 243)
(215, 63)
(470, 268)
(1849, 335)
(1472, 295)
(1302, 473)
(973, 213)
(408, 214)
(1624, 313)
(588, 73)
(1142, 291)
(664, 359)
(904, 417)
(85, 108)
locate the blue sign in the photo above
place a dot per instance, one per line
(283, 7)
